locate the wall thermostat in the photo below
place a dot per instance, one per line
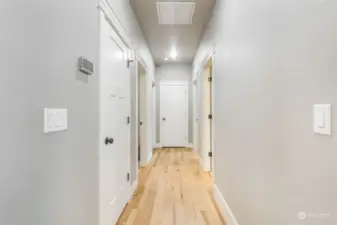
(85, 66)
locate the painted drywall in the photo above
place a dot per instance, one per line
(129, 22)
(48, 179)
(177, 73)
(274, 60)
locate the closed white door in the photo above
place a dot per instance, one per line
(205, 129)
(195, 116)
(114, 127)
(142, 117)
(123, 135)
(174, 117)
(134, 122)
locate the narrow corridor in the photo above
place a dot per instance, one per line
(168, 112)
(172, 189)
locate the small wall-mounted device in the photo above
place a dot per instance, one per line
(85, 66)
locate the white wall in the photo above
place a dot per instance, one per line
(51, 179)
(48, 179)
(127, 18)
(177, 73)
(274, 60)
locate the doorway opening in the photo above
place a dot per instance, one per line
(141, 112)
(138, 116)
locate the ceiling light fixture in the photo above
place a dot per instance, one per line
(174, 54)
(165, 58)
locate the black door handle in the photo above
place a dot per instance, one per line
(141, 123)
(109, 140)
(164, 119)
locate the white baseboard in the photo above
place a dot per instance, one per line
(225, 211)
(133, 188)
(201, 162)
(157, 145)
(149, 159)
(144, 164)
(189, 145)
(203, 165)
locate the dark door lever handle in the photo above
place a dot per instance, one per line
(109, 140)
(164, 119)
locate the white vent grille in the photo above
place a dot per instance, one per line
(175, 13)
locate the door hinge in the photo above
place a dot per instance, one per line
(138, 153)
(210, 79)
(210, 116)
(128, 63)
(210, 154)
(128, 120)
(128, 176)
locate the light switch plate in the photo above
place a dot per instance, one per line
(322, 119)
(55, 120)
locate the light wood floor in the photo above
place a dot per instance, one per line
(172, 190)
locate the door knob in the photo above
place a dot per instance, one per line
(109, 140)
(164, 119)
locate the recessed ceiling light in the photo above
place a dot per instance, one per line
(165, 58)
(174, 54)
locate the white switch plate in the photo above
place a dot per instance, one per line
(55, 120)
(322, 119)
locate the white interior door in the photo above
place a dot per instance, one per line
(195, 116)
(123, 134)
(142, 116)
(114, 129)
(206, 122)
(154, 116)
(134, 122)
(174, 116)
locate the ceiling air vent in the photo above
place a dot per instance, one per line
(175, 13)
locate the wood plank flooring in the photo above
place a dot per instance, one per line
(172, 190)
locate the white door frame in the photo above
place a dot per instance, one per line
(199, 75)
(175, 83)
(154, 114)
(142, 111)
(195, 113)
(134, 120)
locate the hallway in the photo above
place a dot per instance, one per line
(168, 112)
(172, 189)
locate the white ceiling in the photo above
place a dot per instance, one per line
(163, 38)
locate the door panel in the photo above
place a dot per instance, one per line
(205, 122)
(114, 109)
(123, 137)
(195, 116)
(142, 116)
(174, 119)
(134, 122)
